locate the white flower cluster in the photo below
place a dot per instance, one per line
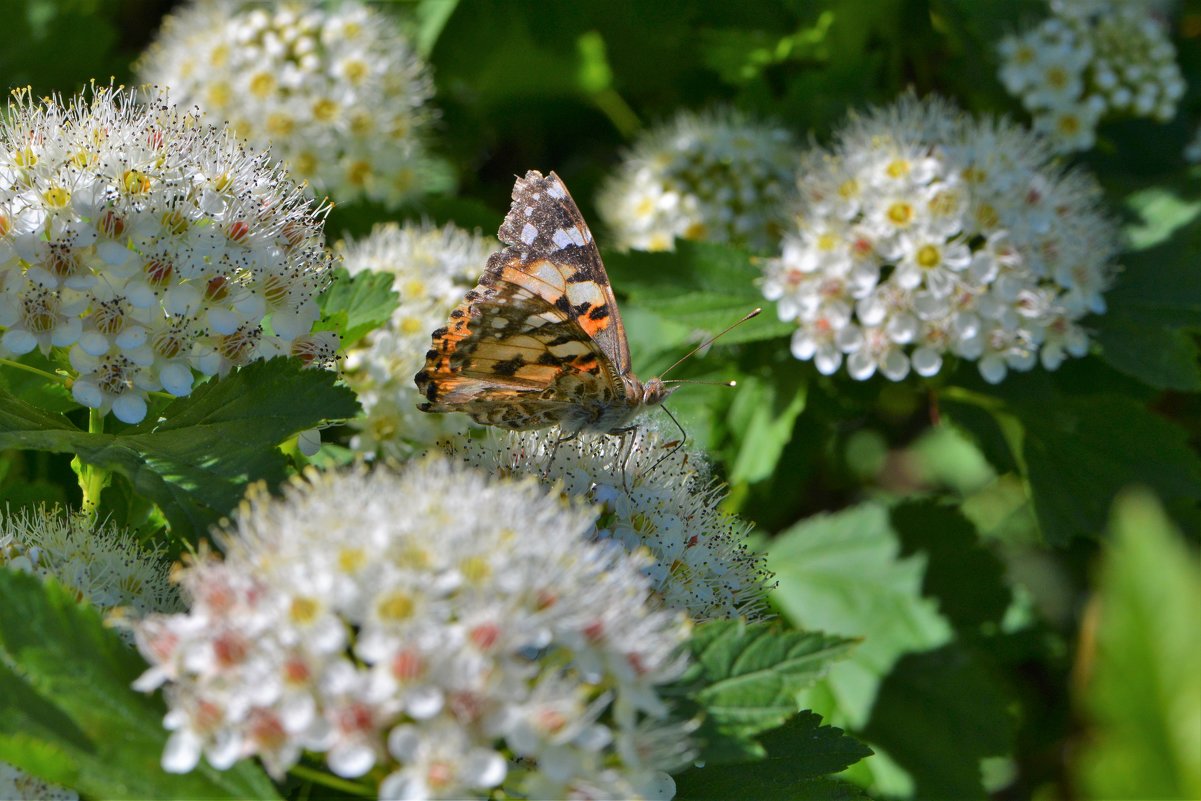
(926, 232)
(104, 566)
(716, 177)
(151, 245)
(655, 498)
(431, 269)
(1091, 59)
(454, 634)
(334, 89)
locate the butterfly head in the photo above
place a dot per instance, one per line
(654, 391)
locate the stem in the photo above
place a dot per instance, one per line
(319, 777)
(92, 478)
(19, 366)
(618, 111)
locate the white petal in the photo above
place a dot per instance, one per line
(309, 442)
(87, 393)
(182, 752)
(94, 343)
(19, 342)
(483, 768)
(130, 408)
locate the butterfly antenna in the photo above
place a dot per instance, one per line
(710, 341)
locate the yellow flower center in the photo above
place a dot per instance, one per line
(350, 560)
(897, 168)
(900, 213)
(396, 606)
(928, 257)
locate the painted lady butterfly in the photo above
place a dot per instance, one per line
(539, 342)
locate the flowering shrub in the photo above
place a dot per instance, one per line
(904, 534)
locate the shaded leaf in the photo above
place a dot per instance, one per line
(965, 577)
(938, 713)
(1080, 452)
(700, 285)
(69, 715)
(798, 755)
(196, 461)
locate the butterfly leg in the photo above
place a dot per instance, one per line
(555, 449)
(676, 445)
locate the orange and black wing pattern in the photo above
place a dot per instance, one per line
(540, 338)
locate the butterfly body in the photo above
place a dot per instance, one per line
(539, 342)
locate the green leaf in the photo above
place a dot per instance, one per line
(69, 715)
(937, 714)
(798, 754)
(360, 304)
(432, 16)
(1161, 211)
(845, 574)
(701, 285)
(196, 461)
(748, 677)
(967, 579)
(1155, 304)
(1080, 452)
(762, 417)
(1144, 692)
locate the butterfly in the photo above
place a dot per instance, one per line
(539, 342)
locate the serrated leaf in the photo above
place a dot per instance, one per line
(195, 463)
(1080, 452)
(749, 676)
(359, 303)
(798, 755)
(762, 416)
(1143, 688)
(69, 715)
(937, 714)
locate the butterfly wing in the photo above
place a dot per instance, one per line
(551, 252)
(539, 341)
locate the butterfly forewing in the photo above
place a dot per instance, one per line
(540, 340)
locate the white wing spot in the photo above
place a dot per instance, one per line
(562, 239)
(536, 195)
(587, 234)
(554, 190)
(528, 234)
(576, 236)
(529, 210)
